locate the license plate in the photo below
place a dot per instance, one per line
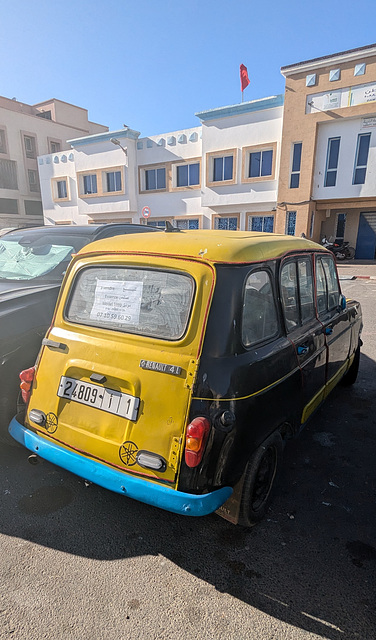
(120, 404)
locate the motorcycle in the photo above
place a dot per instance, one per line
(341, 251)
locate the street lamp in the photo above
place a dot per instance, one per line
(118, 144)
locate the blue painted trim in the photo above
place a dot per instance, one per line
(104, 137)
(138, 488)
(243, 107)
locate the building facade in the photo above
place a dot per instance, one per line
(327, 179)
(27, 131)
(220, 174)
(300, 163)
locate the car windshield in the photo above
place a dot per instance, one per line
(37, 255)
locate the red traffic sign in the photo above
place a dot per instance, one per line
(146, 212)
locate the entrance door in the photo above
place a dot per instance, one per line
(366, 240)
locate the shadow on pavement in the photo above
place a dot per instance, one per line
(311, 563)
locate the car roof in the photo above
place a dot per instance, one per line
(88, 230)
(210, 245)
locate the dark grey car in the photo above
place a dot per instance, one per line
(32, 265)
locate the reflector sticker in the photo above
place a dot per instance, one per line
(128, 453)
(51, 422)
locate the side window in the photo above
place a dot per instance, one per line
(297, 292)
(321, 292)
(332, 282)
(307, 301)
(289, 293)
(327, 286)
(260, 320)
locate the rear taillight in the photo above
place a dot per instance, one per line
(26, 377)
(195, 440)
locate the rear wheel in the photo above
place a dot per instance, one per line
(260, 475)
(350, 253)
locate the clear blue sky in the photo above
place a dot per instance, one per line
(151, 64)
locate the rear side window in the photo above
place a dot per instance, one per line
(297, 292)
(143, 301)
(260, 320)
(327, 286)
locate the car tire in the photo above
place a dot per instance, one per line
(350, 377)
(260, 476)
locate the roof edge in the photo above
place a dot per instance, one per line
(243, 107)
(104, 137)
(341, 56)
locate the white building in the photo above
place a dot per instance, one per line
(27, 131)
(222, 173)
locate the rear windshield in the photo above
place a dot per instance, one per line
(38, 256)
(143, 301)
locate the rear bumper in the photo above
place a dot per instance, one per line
(137, 488)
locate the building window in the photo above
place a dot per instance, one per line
(156, 223)
(290, 223)
(3, 142)
(33, 208)
(311, 80)
(30, 147)
(360, 69)
(113, 181)
(33, 180)
(260, 164)
(8, 205)
(8, 174)
(261, 223)
(334, 74)
(295, 165)
(90, 184)
(155, 179)
(62, 189)
(187, 175)
(224, 223)
(192, 223)
(223, 168)
(361, 158)
(55, 146)
(332, 162)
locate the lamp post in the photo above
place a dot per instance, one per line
(118, 144)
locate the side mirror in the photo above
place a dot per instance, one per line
(342, 302)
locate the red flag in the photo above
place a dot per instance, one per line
(244, 80)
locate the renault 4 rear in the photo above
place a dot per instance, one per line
(175, 375)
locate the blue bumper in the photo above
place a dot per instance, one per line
(138, 488)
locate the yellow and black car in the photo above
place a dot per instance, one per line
(175, 369)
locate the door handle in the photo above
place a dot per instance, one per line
(328, 331)
(303, 350)
(46, 342)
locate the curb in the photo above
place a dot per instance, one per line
(357, 277)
